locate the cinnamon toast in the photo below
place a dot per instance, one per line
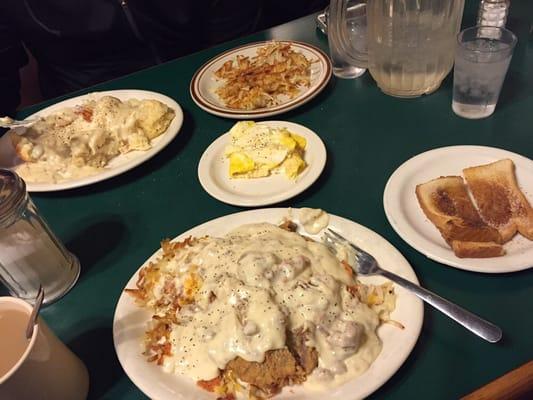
(500, 202)
(446, 203)
(476, 249)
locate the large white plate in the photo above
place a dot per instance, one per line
(121, 163)
(129, 323)
(408, 219)
(214, 178)
(204, 84)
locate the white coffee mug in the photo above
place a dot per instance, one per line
(47, 369)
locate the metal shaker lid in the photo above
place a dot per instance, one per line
(12, 193)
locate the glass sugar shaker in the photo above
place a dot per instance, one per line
(30, 253)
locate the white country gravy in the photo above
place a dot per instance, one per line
(257, 282)
(75, 142)
(313, 219)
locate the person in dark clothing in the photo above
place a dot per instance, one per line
(78, 43)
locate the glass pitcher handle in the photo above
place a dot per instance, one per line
(338, 36)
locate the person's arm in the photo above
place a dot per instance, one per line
(12, 58)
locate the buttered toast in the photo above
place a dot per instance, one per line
(500, 202)
(446, 203)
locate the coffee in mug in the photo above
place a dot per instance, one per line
(41, 367)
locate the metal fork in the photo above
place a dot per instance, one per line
(367, 265)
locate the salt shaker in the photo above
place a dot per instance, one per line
(493, 13)
(30, 254)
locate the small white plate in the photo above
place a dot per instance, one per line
(129, 323)
(118, 165)
(204, 84)
(214, 178)
(408, 219)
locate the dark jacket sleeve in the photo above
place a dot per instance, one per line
(12, 57)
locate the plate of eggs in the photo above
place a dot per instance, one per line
(263, 163)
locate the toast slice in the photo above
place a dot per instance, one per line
(500, 202)
(446, 203)
(476, 249)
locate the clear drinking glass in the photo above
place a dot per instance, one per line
(482, 58)
(30, 254)
(356, 29)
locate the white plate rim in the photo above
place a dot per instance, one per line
(358, 388)
(392, 197)
(137, 158)
(302, 98)
(301, 183)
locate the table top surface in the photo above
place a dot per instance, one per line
(113, 226)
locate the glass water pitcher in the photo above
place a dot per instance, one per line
(410, 43)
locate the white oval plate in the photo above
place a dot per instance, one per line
(129, 322)
(408, 219)
(118, 165)
(204, 84)
(214, 177)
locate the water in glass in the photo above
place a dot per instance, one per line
(480, 67)
(356, 30)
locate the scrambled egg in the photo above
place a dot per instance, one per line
(258, 150)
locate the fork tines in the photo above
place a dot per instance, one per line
(333, 237)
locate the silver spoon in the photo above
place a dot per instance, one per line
(35, 312)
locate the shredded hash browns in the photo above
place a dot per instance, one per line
(257, 82)
(156, 341)
(281, 367)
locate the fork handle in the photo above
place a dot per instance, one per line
(470, 321)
